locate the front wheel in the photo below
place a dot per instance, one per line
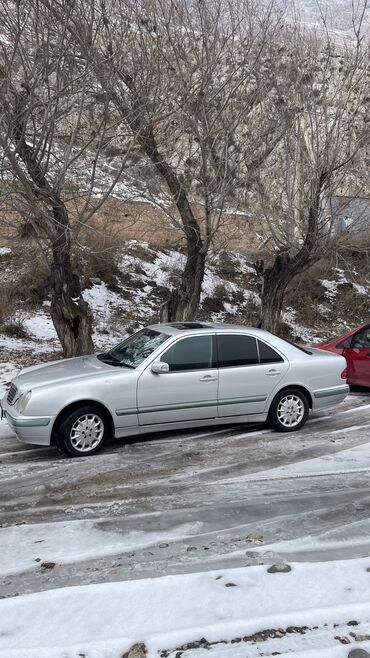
(83, 432)
(289, 410)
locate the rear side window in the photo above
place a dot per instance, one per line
(267, 354)
(237, 351)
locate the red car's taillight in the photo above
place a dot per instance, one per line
(344, 374)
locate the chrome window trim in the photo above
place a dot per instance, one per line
(257, 338)
(192, 335)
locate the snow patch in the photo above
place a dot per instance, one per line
(40, 326)
(23, 547)
(8, 371)
(103, 621)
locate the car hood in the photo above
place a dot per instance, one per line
(60, 371)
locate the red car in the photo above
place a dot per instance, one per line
(355, 346)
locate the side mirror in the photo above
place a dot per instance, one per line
(160, 367)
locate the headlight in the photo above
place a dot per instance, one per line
(23, 401)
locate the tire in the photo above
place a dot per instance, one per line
(289, 410)
(83, 426)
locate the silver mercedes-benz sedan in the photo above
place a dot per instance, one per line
(173, 376)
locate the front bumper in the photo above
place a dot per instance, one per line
(29, 429)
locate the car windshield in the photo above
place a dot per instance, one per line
(135, 349)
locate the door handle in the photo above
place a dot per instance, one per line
(208, 378)
(273, 373)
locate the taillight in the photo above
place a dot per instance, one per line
(344, 374)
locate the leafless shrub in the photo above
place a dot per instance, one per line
(14, 327)
(226, 266)
(98, 257)
(215, 302)
(32, 286)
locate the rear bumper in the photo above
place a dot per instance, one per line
(329, 397)
(29, 429)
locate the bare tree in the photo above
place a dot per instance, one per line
(184, 77)
(53, 132)
(319, 154)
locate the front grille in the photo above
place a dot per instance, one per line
(11, 394)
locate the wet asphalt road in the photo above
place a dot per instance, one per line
(227, 485)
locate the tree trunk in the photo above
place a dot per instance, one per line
(183, 302)
(70, 313)
(272, 299)
(275, 282)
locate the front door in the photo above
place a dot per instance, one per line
(358, 358)
(249, 371)
(188, 391)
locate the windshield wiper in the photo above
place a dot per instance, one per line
(126, 365)
(112, 360)
(108, 358)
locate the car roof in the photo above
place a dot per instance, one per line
(190, 328)
(184, 328)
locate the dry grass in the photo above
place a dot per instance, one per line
(128, 220)
(7, 304)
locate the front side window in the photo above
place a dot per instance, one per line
(193, 353)
(362, 339)
(343, 344)
(237, 350)
(135, 349)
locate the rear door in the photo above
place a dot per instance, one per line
(188, 391)
(249, 371)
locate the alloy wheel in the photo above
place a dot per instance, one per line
(290, 410)
(87, 432)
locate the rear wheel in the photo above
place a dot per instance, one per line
(289, 410)
(83, 432)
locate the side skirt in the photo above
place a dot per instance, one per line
(208, 422)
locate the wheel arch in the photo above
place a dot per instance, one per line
(298, 387)
(75, 405)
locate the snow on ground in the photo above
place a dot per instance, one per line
(7, 372)
(303, 333)
(332, 285)
(166, 613)
(356, 459)
(331, 288)
(20, 345)
(229, 293)
(40, 326)
(335, 540)
(4, 251)
(22, 547)
(188, 502)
